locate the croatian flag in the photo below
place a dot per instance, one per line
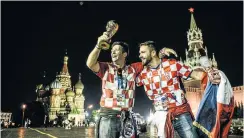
(216, 109)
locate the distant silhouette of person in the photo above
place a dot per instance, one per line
(46, 121)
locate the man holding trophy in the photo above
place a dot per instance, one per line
(118, 87)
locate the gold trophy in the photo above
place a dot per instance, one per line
(111, 28)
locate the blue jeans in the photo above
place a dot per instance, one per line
(109, 127)
(183, 125)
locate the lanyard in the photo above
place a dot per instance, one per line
(151, 76)
(121, 78)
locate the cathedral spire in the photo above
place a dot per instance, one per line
(193, 24)
(195, 42)
(206, 51)
(194, 35)
(213, 57)
(64, 76)
(214, 62)
(65, 70)
(79, 76)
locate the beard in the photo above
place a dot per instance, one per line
(146, 61)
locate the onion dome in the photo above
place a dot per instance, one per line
(56, 84)
(70, 93)
(79, 84)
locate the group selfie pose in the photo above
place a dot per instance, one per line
(161, 78)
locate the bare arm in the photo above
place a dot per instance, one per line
(213, 75)
(92, 62)
(197, 75)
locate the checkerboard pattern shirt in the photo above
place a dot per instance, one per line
(110, 89)
(171, 72)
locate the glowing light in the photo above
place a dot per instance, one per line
(191, 10)
(23, 106)
(96, 118)
(90, 106)
(87, 114)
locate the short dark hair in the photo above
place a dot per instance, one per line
(150, 44)
(124, 45)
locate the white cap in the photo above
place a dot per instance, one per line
(204, 62)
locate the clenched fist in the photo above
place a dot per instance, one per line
(103, 38)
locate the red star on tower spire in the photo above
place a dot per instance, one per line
(191, 10)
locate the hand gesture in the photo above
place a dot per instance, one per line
(103, 41)
(166, 51)
(103, 38)
(214, 76)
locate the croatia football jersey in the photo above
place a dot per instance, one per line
(163, 83)
(118, 91)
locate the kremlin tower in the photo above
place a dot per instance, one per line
(196, 48)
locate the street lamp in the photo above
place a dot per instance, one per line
(23, 113)
(90, 106)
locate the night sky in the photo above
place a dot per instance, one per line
(36, 34)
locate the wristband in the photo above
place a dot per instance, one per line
(98, 47)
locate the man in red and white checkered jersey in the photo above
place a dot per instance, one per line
(169, 72)
(161, 80)
(112, 92)
(118, 86)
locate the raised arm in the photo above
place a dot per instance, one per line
(213, 74)
(92, 62)
(197, 74)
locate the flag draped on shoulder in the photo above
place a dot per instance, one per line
(216, 109)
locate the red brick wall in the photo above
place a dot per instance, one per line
(238, 93)
(194, 96)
